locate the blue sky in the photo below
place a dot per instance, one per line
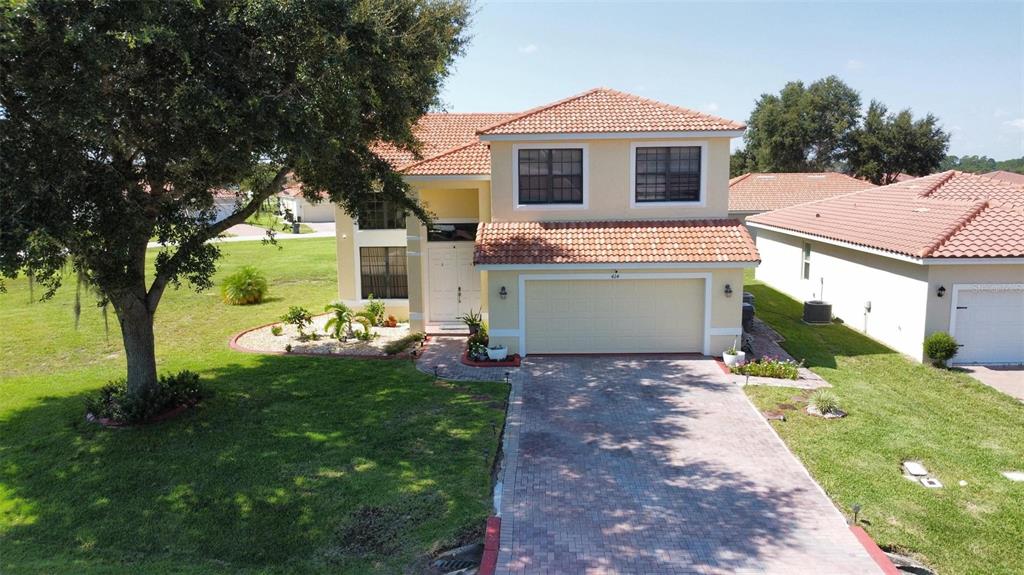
(962, 62)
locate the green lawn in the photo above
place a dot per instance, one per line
(294, 465)
(900, 410)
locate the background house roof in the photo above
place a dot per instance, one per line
(951, 214)
(606, 110)
(759, 192)
(1012, 177)
(613, 242)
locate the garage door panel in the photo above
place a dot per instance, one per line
(990, 325)
(614, 316)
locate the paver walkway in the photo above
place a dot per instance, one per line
(656, 466)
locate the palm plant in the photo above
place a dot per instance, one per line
(339, 325)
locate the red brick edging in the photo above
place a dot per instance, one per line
(233, 344)
(512, 361)
(489, 562)
(876, 553)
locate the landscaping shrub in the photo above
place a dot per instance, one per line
(940, 347)
(113, 402)
(340, 324)
(299, 317)
(365, 334)
(399, 345)
(825, 401)
(769, 367)
(246, 286)
(276, 330)
(374, 310)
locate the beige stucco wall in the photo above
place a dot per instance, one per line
(848, 279)
(726, 312)
(608, 180)
(939, 309)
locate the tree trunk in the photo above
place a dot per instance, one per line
(139, 344)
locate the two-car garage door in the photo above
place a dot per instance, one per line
(614, 315)
(989, 323)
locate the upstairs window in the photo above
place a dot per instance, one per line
(381, 214)
(668, 174)
(551, 176)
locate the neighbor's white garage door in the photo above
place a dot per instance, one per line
(989, 324)
(615, 316)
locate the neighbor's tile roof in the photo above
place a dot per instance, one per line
(1012, 177)
(438, 133)
(613, 242)
(606, 110)
(951, 214)
(756, 192)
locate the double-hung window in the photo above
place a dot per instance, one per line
(382, 273)
(550, 176)
(805, 271)
(667, 174)
(380, 214)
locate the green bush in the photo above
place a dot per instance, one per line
(940, 347)
(769, 367)
(244, 287)
(276, 330)
(374, 310)
(113, 402)
(399, 345)
(340, 324)
(365, 334)
(825, 401)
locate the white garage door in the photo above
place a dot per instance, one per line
(615, 316)
(989, 324)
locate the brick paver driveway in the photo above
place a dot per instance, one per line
(656, 465)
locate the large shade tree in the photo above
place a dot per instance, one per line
(887, 145)
(120, 119)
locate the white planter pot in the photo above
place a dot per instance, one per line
(497, 354)
(733, 360)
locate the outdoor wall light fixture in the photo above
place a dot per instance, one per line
(503, 293)
(941, 292)
(728, 290)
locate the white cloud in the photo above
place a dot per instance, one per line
(854, 64)
(711, 107)
(1016, 124)
(528, 49)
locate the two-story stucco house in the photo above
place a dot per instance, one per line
(596, 224)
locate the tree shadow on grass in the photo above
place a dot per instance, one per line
(655, 466)
(818, 345)
(275, 471)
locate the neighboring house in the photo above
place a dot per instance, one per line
(754, 193)
(226, 201)
(596, 224)
(1012, 177)
(292, 201)
(943, 252)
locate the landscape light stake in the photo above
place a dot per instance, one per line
(856, 511)
(435, 373)
(506, 377)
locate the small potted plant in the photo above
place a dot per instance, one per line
(473, 321)
(732, 356)
(497, 352)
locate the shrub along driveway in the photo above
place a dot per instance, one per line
(899, 409)
(641, 465)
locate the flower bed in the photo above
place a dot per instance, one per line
(769, 367)
(263, 340)
(510, 361)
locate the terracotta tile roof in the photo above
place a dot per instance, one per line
(440, 132)
(951, 214)
(473, 158)
(756, 192)
(1012, 177)
(606, 110)
(613, 242)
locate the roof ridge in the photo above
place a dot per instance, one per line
(441, 154)
(956, 228)
(740, 178)
(941, 181)
(536, 110)
(674, 107)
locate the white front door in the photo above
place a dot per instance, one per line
(454, 282)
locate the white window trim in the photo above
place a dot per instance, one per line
(702, 144)
(612, 135)
(516, 206)
(612, 276)
(806, 249)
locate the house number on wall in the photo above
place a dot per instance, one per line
(615, 275)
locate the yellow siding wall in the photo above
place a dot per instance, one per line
(608, 183)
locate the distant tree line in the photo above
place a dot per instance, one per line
(982, 164)
(821, 127)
